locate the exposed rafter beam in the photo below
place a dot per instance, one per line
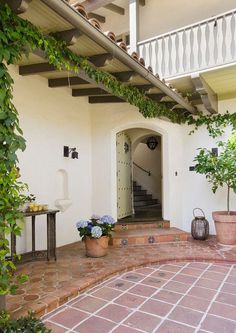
(105, 99)
(125, 76)
(208, 96)
(100, 18)
(65, 81)
(91, 5)
(69, 36)
(99, 60)
(18, 6)
(98, 91)
(115, 99)
(116, 9)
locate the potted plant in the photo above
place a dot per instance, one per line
(96, 233)
(220, 170)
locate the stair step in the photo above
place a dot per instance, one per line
(141, 224)
(142, 197)
(140, 192)
(148, 236)
(144, 203)
(137, 187)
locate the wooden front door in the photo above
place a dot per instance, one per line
(124, 175)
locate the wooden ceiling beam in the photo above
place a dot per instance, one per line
(115, 99)
(101, 60)
(105, 99)
(18, 6)
(114, 8)
(127, 76)
(65, 82)
(98, 91)
(100, 18)
(69, 36)
(142, 3)
(91, 5)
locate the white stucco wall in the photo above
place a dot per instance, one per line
(50, 119)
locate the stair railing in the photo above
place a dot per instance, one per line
(144, 170)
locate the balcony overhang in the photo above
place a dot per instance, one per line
(83, 38)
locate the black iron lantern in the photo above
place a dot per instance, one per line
(152, 142)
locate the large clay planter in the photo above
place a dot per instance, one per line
(225, 225)
(96, 247)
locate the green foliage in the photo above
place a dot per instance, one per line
(28, 324)
(219, 170)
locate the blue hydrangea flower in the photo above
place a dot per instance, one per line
(95, 217)
(107, 219)
(82, 224)
(96, 232)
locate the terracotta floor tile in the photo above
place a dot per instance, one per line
(69, 317)
(218, 325)
(226, 298)
(156, 307)
(195, 303)
(172, 327)
(167, 296)
(223, 310)
(171, 268)
(192, 271)
(207, 283)
(213, 276)
(231, 279)
(125, 329)
(162, 274)
(114, 312)
(142, 321)
(106, 293)
(89, 304)
(120, 284)
(95, 325)
(130, 300)
(186, 316)
(154, 282)
(199, 265)
(55, 328)
(142, 290)
(176, 287)
(229, 288)
(202, 292)
(145, 270)
(132, 276)
(184, 278)
(219, 268)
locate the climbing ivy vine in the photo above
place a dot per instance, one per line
(17, 37)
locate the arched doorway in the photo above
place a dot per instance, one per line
(139, 174)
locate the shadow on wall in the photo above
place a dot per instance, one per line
(63, 202)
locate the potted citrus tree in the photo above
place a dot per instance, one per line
(220, 170)
(96, 233)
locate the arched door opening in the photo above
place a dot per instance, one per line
(139, 175)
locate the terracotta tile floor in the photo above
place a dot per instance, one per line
(176, 295)
(140, 308)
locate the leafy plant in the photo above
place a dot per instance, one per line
(27, 324)
(96, 227)
(219, 170)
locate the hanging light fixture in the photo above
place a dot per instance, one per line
(152, 142)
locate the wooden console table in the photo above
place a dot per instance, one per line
(51, 238)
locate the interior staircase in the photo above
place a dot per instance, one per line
(146, 227)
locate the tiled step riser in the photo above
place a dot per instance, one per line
(135, 226)
(147, 240)
(141, 192)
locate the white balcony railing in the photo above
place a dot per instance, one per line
(206, 44)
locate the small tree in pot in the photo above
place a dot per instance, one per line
(221, 171)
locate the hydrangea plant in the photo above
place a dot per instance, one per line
(96, 227)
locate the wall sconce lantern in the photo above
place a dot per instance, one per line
(72, 151)
(152, 142)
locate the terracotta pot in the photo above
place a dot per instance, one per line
(225, 225)
(96, 247)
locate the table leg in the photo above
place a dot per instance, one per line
(33, 234)
(48, 236)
